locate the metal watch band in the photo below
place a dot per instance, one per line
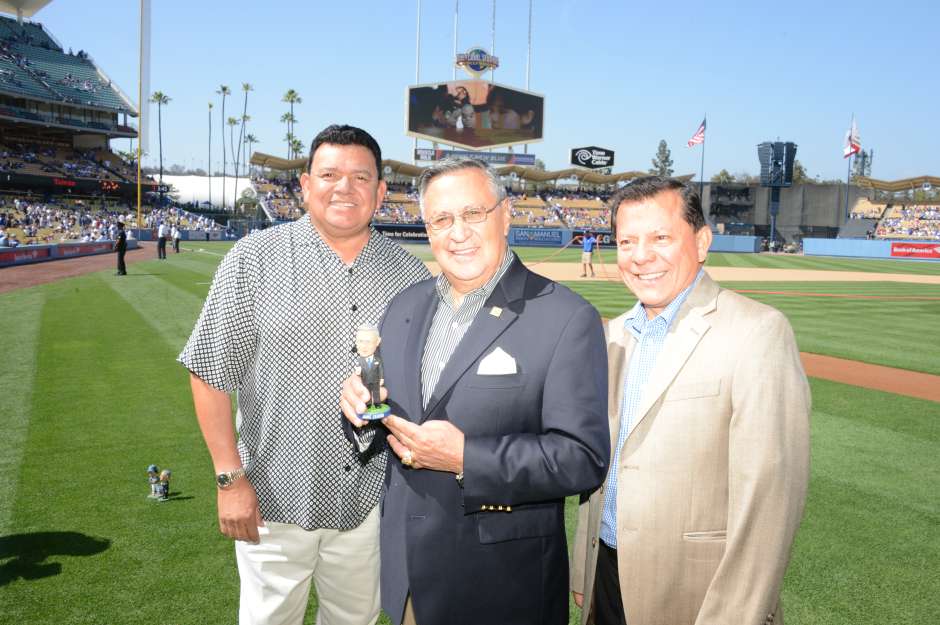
(227, 478)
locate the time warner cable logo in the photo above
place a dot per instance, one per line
(592, 157)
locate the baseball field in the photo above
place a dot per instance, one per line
(90, 394)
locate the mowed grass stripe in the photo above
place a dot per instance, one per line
(21, 319)
(867, 548)
(169, 308)
(108, 400)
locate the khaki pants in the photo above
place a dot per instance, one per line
(276, 574)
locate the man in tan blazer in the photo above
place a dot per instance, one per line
(709, 422)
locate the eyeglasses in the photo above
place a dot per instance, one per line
(471, 215)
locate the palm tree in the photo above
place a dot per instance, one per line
(209, 168)
(292, 98)
(288, 118)
(160, 98)
(297, 147)
(239, 158)
(249, 140)
(223, 91)
(246, 87)
(289, 140)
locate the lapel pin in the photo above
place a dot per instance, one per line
(496, 311)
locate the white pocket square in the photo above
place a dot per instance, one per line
(497, 362)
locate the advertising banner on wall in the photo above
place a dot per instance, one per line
(473, 114)
(915, 250)
(495, 158)
(592, 157)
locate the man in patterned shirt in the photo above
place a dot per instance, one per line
(278, 328)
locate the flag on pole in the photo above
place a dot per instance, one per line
(699, 136)
(853, 143)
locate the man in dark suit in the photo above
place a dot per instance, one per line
(497, 381)
(369, 365)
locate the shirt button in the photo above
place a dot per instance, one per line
(355, 308)
(440, 365)
(347, 468)
(350, 271)
(455, 325)
(354, 350)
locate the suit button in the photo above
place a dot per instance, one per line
(593, 542)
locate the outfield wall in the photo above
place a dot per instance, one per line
(735, 243)
(26, 254)
(872, 248)
(150, 234)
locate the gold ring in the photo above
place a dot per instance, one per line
(407, 459)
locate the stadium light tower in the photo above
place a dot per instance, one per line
(776, 171)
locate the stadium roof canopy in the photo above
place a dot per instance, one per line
(26, 8)
(905, 184)
(524, 173)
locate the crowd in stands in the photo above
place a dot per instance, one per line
(915, 222)
(59, 221)
(61, 160)
(25, 221)
(181, 218)
(279, 197)
(547, 209)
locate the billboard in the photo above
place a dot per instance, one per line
(915, 250)
(473, 114)
(592, 157)
(495, 158)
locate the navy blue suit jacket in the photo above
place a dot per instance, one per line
(494, 551)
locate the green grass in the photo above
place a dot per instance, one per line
(891, 332)
(715, 259)
(92, 395)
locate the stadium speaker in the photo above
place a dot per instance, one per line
(776, 163)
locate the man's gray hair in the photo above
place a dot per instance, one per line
(455, 164)
(367, 327)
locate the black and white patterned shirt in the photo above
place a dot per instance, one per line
(451, 324)
(278, 327)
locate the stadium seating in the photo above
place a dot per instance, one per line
(910, 222)
(32, 64)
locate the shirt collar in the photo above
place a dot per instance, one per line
(309, 235)
(636, 320)
(443, 286)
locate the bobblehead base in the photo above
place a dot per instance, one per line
(376, 413)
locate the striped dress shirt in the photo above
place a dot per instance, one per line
(650, 335)
(450, 324)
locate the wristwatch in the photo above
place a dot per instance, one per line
(226, 479)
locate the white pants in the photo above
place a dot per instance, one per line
(275, 574)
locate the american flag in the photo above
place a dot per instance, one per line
(699, 136)
(853, 143)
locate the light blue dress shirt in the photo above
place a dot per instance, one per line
(650, 335)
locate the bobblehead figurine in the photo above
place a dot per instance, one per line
(153, 476)
(370, 371)
(165, 484)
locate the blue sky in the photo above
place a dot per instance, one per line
(621, 75)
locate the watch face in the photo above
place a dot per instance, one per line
(222, 480)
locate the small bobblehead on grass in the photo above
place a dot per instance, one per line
(370, 371)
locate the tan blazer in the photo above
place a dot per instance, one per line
(712, 479)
